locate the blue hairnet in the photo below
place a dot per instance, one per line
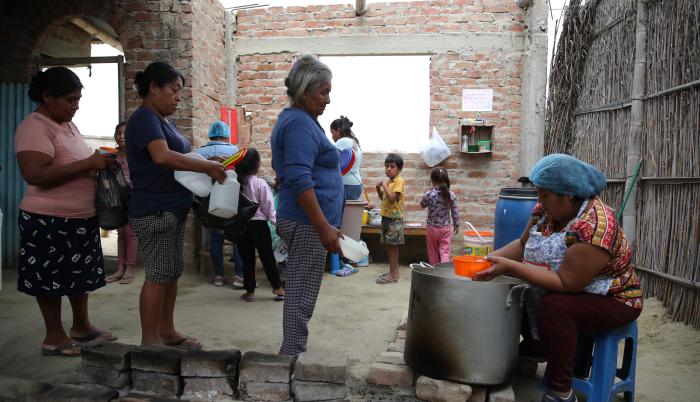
(218, 129)
(564, 174)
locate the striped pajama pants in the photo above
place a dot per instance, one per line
(303, 270)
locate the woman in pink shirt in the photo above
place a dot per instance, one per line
(257, 233)
(60, 250)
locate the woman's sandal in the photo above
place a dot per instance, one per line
(117, 276)
(65, 350)
(102, 335)
(185, 343)
(125, 280)
(385, 280)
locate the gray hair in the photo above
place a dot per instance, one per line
(307, 73)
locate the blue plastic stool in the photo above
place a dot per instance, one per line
(335, 263)
(600, 386)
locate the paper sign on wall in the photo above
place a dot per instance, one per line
(477, 100)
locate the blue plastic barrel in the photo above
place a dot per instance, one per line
(513, 211)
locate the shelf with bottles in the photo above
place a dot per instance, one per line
(476, 137)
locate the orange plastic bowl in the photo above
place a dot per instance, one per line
(108, 150)
(469, 265)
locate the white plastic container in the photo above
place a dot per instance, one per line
(223, 201)
(352, 218)
(353, 250)
(375, 217)
(197, 183)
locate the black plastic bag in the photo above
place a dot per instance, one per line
(112, 198)
(231, 228)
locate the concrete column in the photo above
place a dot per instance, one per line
(534, 87)
(230, 60)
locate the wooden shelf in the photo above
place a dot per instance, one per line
(476, 134)
(476, 153)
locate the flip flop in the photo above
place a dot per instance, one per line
(384, 280)
(105, 336)
(125, 280)
(185, 343)
(247, 298)
(279, 297)
(113, 278)
(61, 350)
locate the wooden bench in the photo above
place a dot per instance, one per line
(413, 250)
(407, 231)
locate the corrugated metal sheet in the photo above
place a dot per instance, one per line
(14, 107)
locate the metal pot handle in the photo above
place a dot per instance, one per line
(420, 265)
(509, 298)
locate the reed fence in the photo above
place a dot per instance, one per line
(593, 86)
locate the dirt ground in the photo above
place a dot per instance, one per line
(353, 316)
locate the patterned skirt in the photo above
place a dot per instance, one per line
(59, 256)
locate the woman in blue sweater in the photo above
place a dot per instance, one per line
(310, 195)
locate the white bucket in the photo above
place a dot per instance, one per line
(198, 183)
(477, 243)
(352, 218)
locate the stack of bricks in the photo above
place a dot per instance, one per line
(210, 374)
(320, 377)
(155, 370)
(390, 369)
(108, 364)
(265, 377)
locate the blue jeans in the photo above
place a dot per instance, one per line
(352, 191)
(216, 251)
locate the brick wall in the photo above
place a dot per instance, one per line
(207, 66)
(188, 34)
(476, 179)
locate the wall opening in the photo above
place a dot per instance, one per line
(386, 97)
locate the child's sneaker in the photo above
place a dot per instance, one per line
(219, 281)
(237, 282)
(547, 397)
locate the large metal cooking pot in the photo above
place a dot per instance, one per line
(462, 330)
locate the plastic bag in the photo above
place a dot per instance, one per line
(112, 198)
(231, 228)
(435, 150)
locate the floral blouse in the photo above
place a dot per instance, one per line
(438, 211)
(597, 225)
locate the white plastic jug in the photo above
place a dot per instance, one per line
(223, 201)
(197, 183)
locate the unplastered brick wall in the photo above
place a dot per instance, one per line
(188, 34)
(208, 69)
(417, 17)
(160, 31)
(476, 179)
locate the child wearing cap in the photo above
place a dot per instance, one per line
(219, 148)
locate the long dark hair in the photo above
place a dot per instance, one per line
(343, 125)
(56, 81)
(439, 176)
(158, 72)
(248, 166)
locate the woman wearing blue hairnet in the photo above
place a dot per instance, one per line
(575, 253)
